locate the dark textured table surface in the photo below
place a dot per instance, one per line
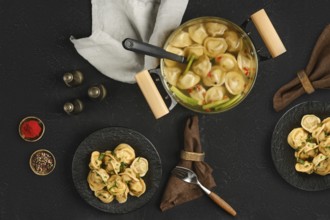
(35, 51)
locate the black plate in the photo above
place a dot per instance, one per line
(108, 139)
(283, 154)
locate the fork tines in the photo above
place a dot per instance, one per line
(180, 172)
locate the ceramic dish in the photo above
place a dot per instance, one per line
(108, 139)
(283, 154)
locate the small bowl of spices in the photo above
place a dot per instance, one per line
(42, 162)
(31, 129)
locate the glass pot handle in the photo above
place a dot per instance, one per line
(268, 34)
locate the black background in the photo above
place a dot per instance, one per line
(35, 52)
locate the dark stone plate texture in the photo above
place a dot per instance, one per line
(108, 139)
(283, 154)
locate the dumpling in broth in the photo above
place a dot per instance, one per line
(198, 93)
(246, 63)
(234, 42)
(195, 50)
(181, 40)
(172, 74)
(226, 61)
(215, 93)
(197, 33)
(215, 29)
(215, 46)
(216, 77)
(187, 81)
(202, 66)
(235, 82)
(175, 50)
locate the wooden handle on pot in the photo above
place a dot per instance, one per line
(151, 93)
(268, 33)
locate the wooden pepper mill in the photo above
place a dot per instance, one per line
(97, 92)
(74, 78)
(74, 107)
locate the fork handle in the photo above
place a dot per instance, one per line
(222, 203)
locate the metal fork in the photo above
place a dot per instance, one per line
(189, 176)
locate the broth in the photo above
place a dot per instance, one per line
(222, 65)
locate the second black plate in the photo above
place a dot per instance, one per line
(283, 154)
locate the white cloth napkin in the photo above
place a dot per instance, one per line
(114, 20)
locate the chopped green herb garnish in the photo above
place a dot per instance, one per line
(101, 156)
(122, 166)
(300, 161)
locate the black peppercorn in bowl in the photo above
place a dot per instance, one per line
(42, 162)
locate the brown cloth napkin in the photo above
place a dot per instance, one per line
(317, 71)
(177, 191)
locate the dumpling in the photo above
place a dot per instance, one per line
(310, 150)
(95, 161)
(198, 93)
(202, 66)
(118, 188)
(129, 175)
(215, 93)
(324, 147)
(305, 167)
(226, 61)
(297, 138)
(323, 167)
(104, 196)
(137, 188)
(172, 74)
(310, 122)
(195, 50)
(215, 29)
(95, 181)
(235, 82)
(246, 63)
(326, 123)
(321, 164)
(112, 165)
(234, 42)
(197, 33)
(215, 46)
(318, 134)
(181, 40)
(216, 77)
(188, 80)
(122, 198)
(125, 153)
(175, 50)
(140, 166)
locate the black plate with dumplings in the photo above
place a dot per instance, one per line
(108, 139)
(283, 154)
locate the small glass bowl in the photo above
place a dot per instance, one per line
(47, 162)
(28, 118)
